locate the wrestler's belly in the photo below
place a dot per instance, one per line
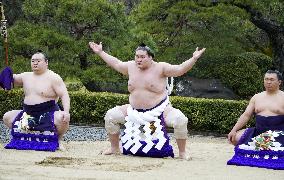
(35, 99)
(145, 99)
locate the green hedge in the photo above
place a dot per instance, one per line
(214, 115)
(242, 73)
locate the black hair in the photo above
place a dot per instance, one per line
(279, 75)
(144, 47)
(41, 52)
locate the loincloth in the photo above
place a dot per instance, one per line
(263, 145)
(34, 129)
(145, 132)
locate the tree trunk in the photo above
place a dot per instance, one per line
(274, 30)
(277, 42)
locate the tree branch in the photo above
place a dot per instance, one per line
(259, 20)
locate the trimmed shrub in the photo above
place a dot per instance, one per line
(89, 108)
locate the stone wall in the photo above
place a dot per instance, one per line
(202, 88)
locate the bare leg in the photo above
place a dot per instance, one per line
(181, 147)
(113, 118)
(61, 128)
(114, 145)
(238, 137)
(176, 119)
(9, 117)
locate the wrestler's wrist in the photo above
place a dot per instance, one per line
(100, 52)
(194, 59)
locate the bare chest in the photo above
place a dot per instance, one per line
(272, 105)
(39, 87)
(148, 80)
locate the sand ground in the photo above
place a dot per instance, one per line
(82, 160)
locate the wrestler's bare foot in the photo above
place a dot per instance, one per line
(61, 147)
(184, 156)
(111, 151)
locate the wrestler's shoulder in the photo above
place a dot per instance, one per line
(131, 62)
(162, 65)
(258, 95)
(53, 75)
(25, 74)
(281, 93)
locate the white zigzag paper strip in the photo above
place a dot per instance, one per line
(132, 132)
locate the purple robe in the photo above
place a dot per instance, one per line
(263, 145)
(6, 78)
(39, 132)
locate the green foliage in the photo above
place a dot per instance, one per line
(27, 38)
(242, 73)
(210, 115)
(178, 27)
(90, 108)
(20, 64)
(74, 84)
(172, 28)
(10, 100)
(271, 9)
(262, 61)
(63, 29)
(242, 76)
(65, 70)
(103, 78)
(12, 10)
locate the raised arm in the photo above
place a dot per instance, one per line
(243, 119)
(113, 62)
(178, 70)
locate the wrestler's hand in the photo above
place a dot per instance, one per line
(97, 48)
(232, 136)
(198, 53)
(65, 116)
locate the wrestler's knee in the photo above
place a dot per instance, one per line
(6, 119)
(179, 122)
(59, 119)
(113, 118)
(9, 117)
(61, 125)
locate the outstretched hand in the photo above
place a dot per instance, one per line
(198, 53)
(97, 48)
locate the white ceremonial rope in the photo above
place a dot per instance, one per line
(135, 119)
(170, 86)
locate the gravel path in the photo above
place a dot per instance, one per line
(75, 133)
